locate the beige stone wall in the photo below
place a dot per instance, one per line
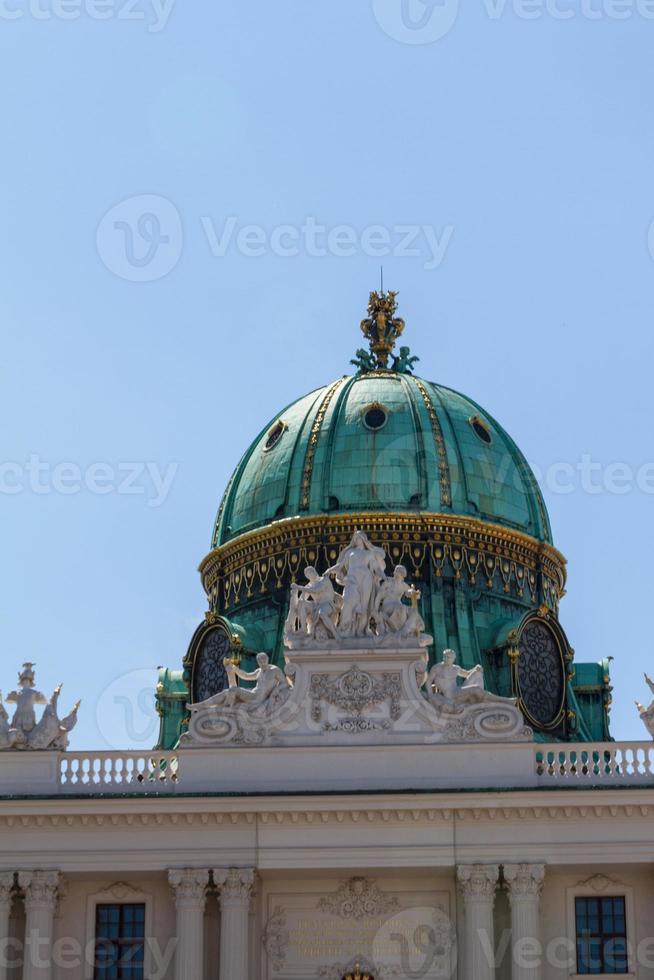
(328, 918)
(637, 883)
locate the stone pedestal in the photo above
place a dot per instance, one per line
(524, 884)
(235, 887)
(6, 885)
(40, 889)
(478, 883)
(190, 888)
(356, 693)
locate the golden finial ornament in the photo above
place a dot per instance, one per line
(382, 328)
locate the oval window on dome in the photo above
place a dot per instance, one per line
(209, 674)
(481, 429)
(541, 674)
(375, 417)
(274, 435)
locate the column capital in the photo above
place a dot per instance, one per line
(40, 888)
(189, 886)
(524, 880)
(235, 886)
(6, 886)
(478, 881)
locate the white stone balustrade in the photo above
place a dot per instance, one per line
(596, 764)
(135, 772)
(419, 766)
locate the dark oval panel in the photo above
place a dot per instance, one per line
(541, 673)
(209, 674)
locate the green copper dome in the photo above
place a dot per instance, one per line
(382, 442)
(437, 483)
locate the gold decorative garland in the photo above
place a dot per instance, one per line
(307, 471)
(443, 465)
(262, 560)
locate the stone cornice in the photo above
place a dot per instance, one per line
(63, 814)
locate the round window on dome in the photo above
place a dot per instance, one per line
(274, 435)
(375, 417)
(481, 429)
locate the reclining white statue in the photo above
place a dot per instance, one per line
(268, 678)
(444, 691)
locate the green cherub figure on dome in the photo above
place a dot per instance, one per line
(364, 361)
(403, 363)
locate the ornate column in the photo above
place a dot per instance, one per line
(6, 885)
(235, 886)
(40, 889)
(478, 883)
(190, 888)
(524, 884)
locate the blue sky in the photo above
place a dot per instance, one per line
(165, 171)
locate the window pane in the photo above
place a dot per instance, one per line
(119, 951)
(601, 935)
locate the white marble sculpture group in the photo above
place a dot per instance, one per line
(356, 672)
(24, 731)
(370, 606)
(647, 714)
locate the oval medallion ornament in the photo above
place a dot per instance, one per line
(209, 675)
(541, 674)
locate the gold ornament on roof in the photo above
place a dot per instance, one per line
(382, 328)
(357, 974)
